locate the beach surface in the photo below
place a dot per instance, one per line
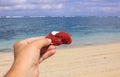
(85, 61)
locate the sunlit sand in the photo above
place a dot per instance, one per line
(87, 61)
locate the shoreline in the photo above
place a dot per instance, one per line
(62, 47)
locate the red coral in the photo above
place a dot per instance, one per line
(59, 38)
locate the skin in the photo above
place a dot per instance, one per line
(28, 54)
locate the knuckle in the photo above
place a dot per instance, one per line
(53, 52)
(18, 43)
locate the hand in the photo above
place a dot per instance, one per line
(28, 54)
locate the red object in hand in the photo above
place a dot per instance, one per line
(59, 38)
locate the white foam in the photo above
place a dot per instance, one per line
(54, 32)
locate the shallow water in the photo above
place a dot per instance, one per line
(84, 30)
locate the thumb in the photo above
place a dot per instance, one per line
(41, 43)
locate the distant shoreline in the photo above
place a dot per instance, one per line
(50, 16)
(6, 50)
(63, 47)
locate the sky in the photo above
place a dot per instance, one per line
(59, 7)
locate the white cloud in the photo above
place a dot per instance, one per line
(20, 1)
(4, 8)
(97, 7)
(61, 6)
(11, 2)
(32, 6)
(18, 7)
(46, 6)
(51, 6)
(26, 4)
(97, 0)
(110, 9)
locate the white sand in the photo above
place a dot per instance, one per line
(89, 61)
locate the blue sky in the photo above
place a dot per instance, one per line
(60, 7)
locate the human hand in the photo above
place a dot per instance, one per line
(37, 49)
(28, 54)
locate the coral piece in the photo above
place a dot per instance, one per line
(59, 38)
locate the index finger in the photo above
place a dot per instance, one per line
(29, 40)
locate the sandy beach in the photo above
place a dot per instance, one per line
(86, 61)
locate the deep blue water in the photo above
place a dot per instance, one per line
(84, 30)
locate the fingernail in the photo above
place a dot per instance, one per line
(49, 40)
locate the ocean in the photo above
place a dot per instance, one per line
(84, 30)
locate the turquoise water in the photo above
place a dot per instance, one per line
(84, 30)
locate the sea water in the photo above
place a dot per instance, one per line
(84, 30)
